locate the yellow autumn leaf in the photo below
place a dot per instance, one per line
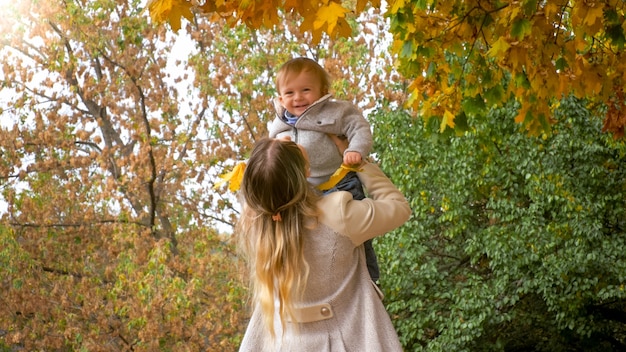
(465, 29)
(290, 5)
(518, 57)
(343, 28)
(395, 5)
(159, 9)
(329, 15)
(513, 13)
(245, 4)
(543, 89)
(593, 14)
(499, 48)
(361, 4)
(233, 178)
(551, 9)
(446, 121)
(170, 11)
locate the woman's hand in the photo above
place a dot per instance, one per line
(341, 142)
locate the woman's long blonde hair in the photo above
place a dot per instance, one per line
(278, 202)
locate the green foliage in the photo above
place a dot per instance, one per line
(517, 243)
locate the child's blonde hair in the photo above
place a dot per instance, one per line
(298, 65)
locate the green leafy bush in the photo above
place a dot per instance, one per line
(517, 243)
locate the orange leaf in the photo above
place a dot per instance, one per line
(615, 119)
(522, 113)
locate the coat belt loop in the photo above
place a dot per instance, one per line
(314, 313)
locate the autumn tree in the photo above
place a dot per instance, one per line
(485, 53)
(113, 237)
(108, 239)
(465, 57)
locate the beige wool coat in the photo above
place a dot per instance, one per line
(342, 309)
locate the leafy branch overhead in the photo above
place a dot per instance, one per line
(465, 57)
(318, 17)
(470, 56)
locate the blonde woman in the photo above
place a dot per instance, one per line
(310, 284)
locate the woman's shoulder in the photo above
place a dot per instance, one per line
(383, 210)
(334, 208)
(331, 201)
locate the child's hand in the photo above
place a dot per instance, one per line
(352, 158)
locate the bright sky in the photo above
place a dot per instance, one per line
(5, 3)
(7, 9)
